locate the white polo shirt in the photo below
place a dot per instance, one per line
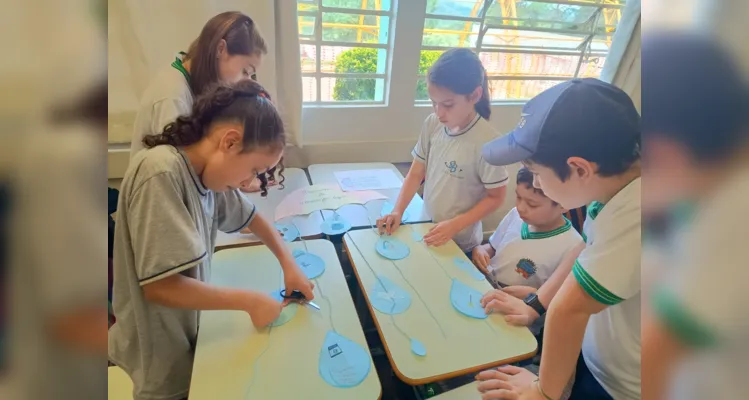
(457, 175)
(703, 299)
(528, 258)
(608, 269)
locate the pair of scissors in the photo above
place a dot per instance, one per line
(298, 297)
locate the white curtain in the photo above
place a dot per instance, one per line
(144, 36)
(622, 66)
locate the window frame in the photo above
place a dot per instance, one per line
(317, 40)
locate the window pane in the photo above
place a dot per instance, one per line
(518, 89)
(360, 60)
(448, 33)
(309, 89)
(421, 89)
(306, 25)
(529, 64)
(308, 54)
(382, 5)
(592, 67)
(533, 40)
(352, 89)
(456, 8)
(306, 5)
(355, 28)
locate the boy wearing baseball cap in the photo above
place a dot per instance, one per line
(581, 140)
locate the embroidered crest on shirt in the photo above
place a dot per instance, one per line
(526, 267)
(453, 169)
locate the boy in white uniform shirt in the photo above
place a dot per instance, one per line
(530, 241)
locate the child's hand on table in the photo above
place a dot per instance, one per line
(441, 233)
(295, 279)
(389, 223)
(508, 382)
(519, 291)
(263, 309)
(481, 259)
(515, 310)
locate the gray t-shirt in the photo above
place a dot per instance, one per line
(167, 97)
(166, 224)
(457, 176)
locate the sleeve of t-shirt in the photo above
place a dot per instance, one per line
(491, 176)
(164, 237)
(166, 111)
(609, 269)
(497, 236)
(234, 211)
(703, 303)
(421, 150)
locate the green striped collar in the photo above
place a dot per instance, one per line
(525, 232)
(594, 209)
(177, 64)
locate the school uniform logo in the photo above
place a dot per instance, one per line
(453, 169)
(526, 268)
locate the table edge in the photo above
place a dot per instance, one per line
(435, 378)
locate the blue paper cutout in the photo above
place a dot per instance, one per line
(389, 298)
(289, 232)
(387, 208)
(416, 236)
(418, 348)
(343, 363)
(287, 313)
(467, 266)
(335, 226)
(311, 264)
(466, 300)
(392, 248)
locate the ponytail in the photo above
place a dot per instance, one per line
(460, 70)
(245, 101)
(483, 106)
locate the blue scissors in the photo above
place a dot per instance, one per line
(298, 297)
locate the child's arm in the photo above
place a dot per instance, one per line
(294, 278)
(178, 291)
(482, 256)
(446, 230)
(411, 184)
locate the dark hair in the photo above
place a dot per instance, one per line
(461, 71)
(245, 102)
(91, 107)
(241, 36)
(525, 177)
(270, 176)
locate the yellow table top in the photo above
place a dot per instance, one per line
(455, 344)
(465, 392)
(308, 225)
(233, 360)
(325, 174)
(120, 387)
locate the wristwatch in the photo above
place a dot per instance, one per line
(533, 302)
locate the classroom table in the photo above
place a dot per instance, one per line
(309, 225)
(465, 392)
(233, 360)
(120, 387)
(354, 213)
(455, 344)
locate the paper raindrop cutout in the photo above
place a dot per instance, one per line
(389, 298)
(392, 248)
(287, 313)
(311, 264)
(335, 226)
(467, 266)
(343, 363)
(418, 348)
(466, 300)
(387, 208)
(289, 232)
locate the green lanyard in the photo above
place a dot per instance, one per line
(177, 64)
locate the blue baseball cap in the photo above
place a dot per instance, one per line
(579, 117)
